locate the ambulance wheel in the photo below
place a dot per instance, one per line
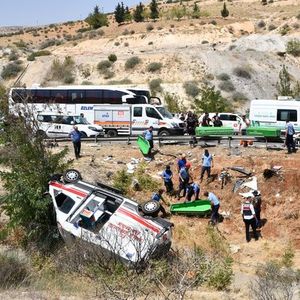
(164, 133)
(71, 175)
(150, 208)
(112, 133)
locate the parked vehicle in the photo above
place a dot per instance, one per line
(55, 125)
(102, 216)
(275, 113)
(134, 120)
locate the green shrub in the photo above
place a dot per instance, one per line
(11, 70)
(271, 27)
(227, 86)
(288, 256)
(86, 82)
(242, 72)
(69, 79)
(132, 62)
(155, 86)
(13, 56)
(223, 77)
(33, 55)
(293, 47)
(284, 29)
(146, 182)
(237, 96)
(122, 81)
(13, 271)
(107, 74)
(63, 71)
(112, 58)
(154, 66)
(261, 24)
(103, 66)
(122, 181)
(191, 88)
(20, 44)
(48, 43)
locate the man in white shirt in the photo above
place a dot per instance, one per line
(249, 217)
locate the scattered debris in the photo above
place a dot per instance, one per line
(252, 184)
(237, 185)
(108, 158)
(234, 248)
(241, 170)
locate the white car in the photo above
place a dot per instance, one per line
(102, 216)
(56, 125)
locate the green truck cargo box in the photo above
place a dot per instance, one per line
(198, 207)
(263, 131)
(214, 131)
(143, 145)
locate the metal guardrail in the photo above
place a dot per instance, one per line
(176, 139)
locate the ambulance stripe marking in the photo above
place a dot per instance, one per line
(71, 190)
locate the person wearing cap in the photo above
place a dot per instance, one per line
(75, 136)
(157, 197)
(184, 178)
(207, 163)
(193, 189)
(181, 162)
(148, 136)
(215, 205)
(167, 176)
(249, 218)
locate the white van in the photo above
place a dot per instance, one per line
(134, 120)
(275, 113)
(55, 125)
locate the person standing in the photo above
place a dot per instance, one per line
(157, 197)
(289, 137)
(167, 176)
(257, 207)
(207, 163)
(75, 136)
(206, 120)
(148, 136)
(249, 218)
(184, 178)
(193, 189)
(181, 162)
(215, 205)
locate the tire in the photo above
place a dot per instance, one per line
(71, 175)
(164, 132)
(150, 208)
(112, 133)
(83, 134)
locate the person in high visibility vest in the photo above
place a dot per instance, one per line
(249, 217)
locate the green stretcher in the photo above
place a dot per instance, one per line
(214, 131)
(143, 145)
(264, 131)
(198, 207)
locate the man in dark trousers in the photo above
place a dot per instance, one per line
(215, 205)
(249, 217)
(207, 163)
(184, 178)
(167, 176)
(257, 207)
(289, 137)
(193, 189)
(148, 136)
(75, 135)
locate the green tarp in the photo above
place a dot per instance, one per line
(198, 207)
(263, 131)
(143, 145)
(219, 131)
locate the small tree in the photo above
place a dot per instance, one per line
(210, 100)
(154, 13)
(196, 11)
(119, 13)
(97, 19)
(284, 84)
(138, 13)
(224, 11)
(128, 16)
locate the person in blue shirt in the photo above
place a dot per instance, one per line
(148, 135)
(184, 178)
(181, 162)
(193, 189)
(167, 176)
(215, 205)
(157, 197)
(75, 136)
(207, 163)
(289, 137)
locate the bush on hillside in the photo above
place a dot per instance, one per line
(112, 58)
(132, 62)
(293, 47)
(191, 88)
(13, 56)
(238, 96)
(63, 71)
(103, 66)
(155, 86)
(223, 77)
(33, 55)
(48, 43)
(154, 66)
(149, 27)
(11, 70)
(242, 72)
(226, 86)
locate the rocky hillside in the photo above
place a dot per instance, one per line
(241, 55)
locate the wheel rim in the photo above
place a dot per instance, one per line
(151, 206)
(72, 175)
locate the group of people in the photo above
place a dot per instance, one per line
(187, 187)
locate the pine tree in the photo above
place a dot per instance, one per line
(128, 16)
(224, 11)
(138, 13)
(284, 84)
(97, 19)
(119, 13)
(196, 12)
(154, 13)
